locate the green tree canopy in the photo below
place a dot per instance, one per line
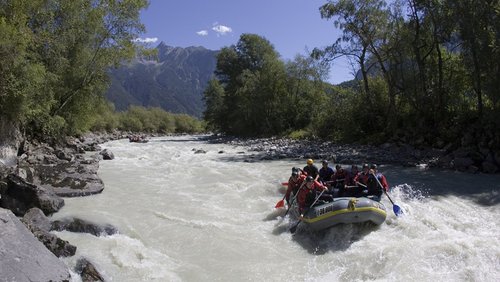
(255, 93)
(59, 53)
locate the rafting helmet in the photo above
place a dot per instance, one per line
(310, 162)
(309, 179)
(374, 166)
(365, 165)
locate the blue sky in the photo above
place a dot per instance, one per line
(292, 26)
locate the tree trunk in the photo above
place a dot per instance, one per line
(364, 73)
(10, 142)
(477, 79)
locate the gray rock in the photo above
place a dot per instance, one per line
(489, 167)
(35, 217)
(40, 226)
(472, 169)
(68, 179)
(64, 155)
(87, 271)
(20, 196)
(83, 226)
(107, 154)
(23, 258)
(462, 164)
(3, 188)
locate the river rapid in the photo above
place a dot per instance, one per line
(210, 216)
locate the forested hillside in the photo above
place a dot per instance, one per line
(174, 81)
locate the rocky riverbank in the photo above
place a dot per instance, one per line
(465, 159)
(34, 178)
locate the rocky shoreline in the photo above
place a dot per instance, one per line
(31, 189)
(465, 159)
(35, 180)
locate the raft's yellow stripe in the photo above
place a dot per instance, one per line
(329, 214)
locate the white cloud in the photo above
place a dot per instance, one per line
(202, 33)
(221, 29)
(146, 40)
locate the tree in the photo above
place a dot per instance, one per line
(479, 29)
(366, 28)
(252, 80)
(306, 95)
(67, 47)
(214, 101)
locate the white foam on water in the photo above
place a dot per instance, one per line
(210, 217)
(122, 258)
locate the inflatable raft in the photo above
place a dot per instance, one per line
(345, 210)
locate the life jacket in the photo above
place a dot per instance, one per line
(340, 178)
(372, 184)
(306, 194)
(352, 179)
(310, 197)
(311, 170)
(326, 174)
(294, 185)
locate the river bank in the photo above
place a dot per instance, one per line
(464, 159)
(34, 180)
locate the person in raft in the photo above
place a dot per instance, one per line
(294, 183)
(340, 180)
(308, 193)
(311, 169)
(325, 173)
(375, 187)
(352, 189)
(362, 178)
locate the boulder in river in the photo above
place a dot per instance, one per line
(87, 271)
(83, 226)
(107, 154)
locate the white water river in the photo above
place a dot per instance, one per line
(183, 216)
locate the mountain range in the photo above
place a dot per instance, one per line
(174, 82)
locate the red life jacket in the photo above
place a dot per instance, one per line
(302, 196)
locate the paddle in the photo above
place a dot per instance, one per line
(294, 227)
(289, 207)
(360, 184)
(293, 199)
(281, 203)
(395, 208)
